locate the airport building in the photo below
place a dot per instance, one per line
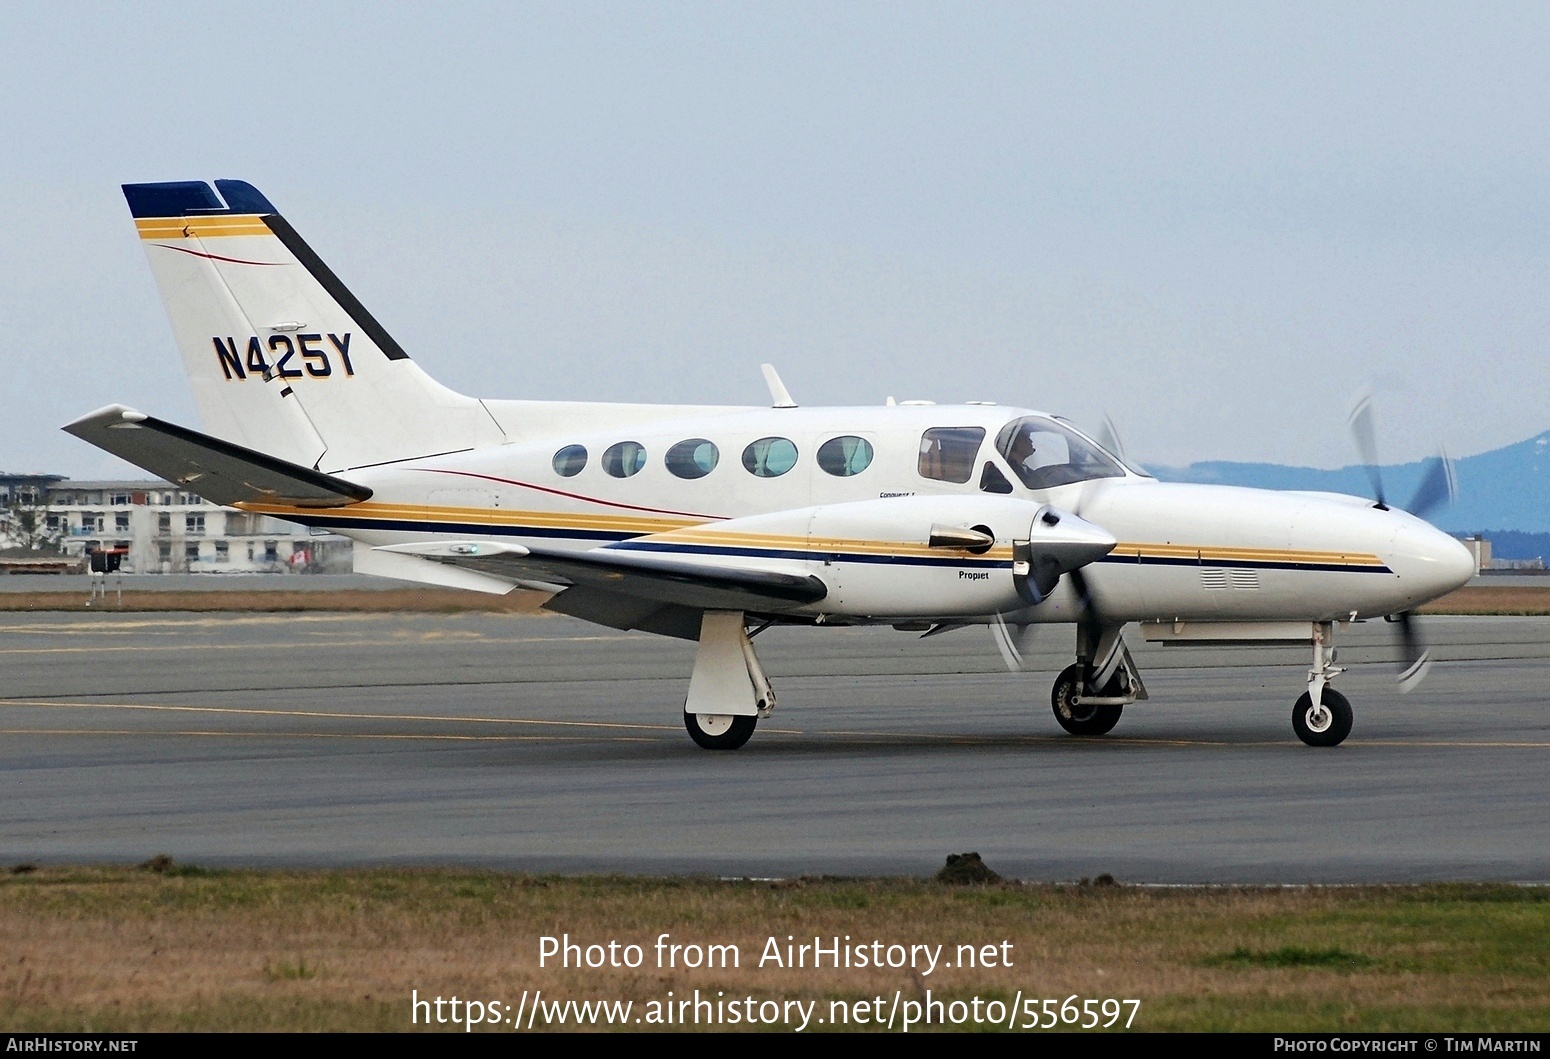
(158, 527)
(1480, 547)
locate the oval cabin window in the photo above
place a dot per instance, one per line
(843, 457)
(694, 458)
(624, 459)
(569, 461)
(770, 457)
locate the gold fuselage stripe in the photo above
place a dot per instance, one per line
(681, 531)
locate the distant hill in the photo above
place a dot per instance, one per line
(1506, 489)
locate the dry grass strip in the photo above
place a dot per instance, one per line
(125, 949)
(1493, 599)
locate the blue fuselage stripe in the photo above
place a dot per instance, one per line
(815, 555)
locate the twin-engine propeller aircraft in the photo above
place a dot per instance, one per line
(704, 522)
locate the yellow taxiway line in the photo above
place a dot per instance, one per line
(324, 714)
(428, 638)
(405, 736)
(880, 737)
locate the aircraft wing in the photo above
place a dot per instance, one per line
(219, 471)
(642, 577)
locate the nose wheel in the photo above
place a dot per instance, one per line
(1326, 724)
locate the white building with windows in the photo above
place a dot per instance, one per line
(164, 529)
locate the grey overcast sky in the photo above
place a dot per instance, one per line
(1216, 222)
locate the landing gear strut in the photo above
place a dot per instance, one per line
(1328, 722)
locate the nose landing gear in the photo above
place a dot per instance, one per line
(1322, 716)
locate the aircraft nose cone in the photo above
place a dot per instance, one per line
(1456, 565)
(1434, 563)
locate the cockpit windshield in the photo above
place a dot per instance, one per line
(1044, 454)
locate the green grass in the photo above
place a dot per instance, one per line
(1290, 956)
(290, 972)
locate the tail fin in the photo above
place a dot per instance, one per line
(282, 357)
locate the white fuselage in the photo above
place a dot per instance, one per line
(1195, 552)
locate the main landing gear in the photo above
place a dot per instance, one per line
(728, 692)
(719, 731)
(1076, 711)
(1089, 696)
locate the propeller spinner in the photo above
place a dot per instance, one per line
(1059, 544)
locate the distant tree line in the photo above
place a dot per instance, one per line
(24, 523)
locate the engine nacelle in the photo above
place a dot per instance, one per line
(906, 557)
(897, 557)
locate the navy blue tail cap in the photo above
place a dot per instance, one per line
(194, 198)
(243, 197)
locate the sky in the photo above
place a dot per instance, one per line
(1215, 223)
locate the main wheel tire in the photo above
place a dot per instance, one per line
(1077, 718)
(719, 731)
(1327, 725)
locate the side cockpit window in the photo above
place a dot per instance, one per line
(947, 453)
(993, 481)
(1044, 454)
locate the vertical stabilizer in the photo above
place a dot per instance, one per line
(282, 357)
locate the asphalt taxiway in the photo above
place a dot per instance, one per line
(540, 743)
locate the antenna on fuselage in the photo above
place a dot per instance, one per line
(780, 397)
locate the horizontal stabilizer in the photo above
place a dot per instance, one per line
(644, 576)
(217, 470)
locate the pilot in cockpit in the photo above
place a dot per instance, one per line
(1020, 451)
